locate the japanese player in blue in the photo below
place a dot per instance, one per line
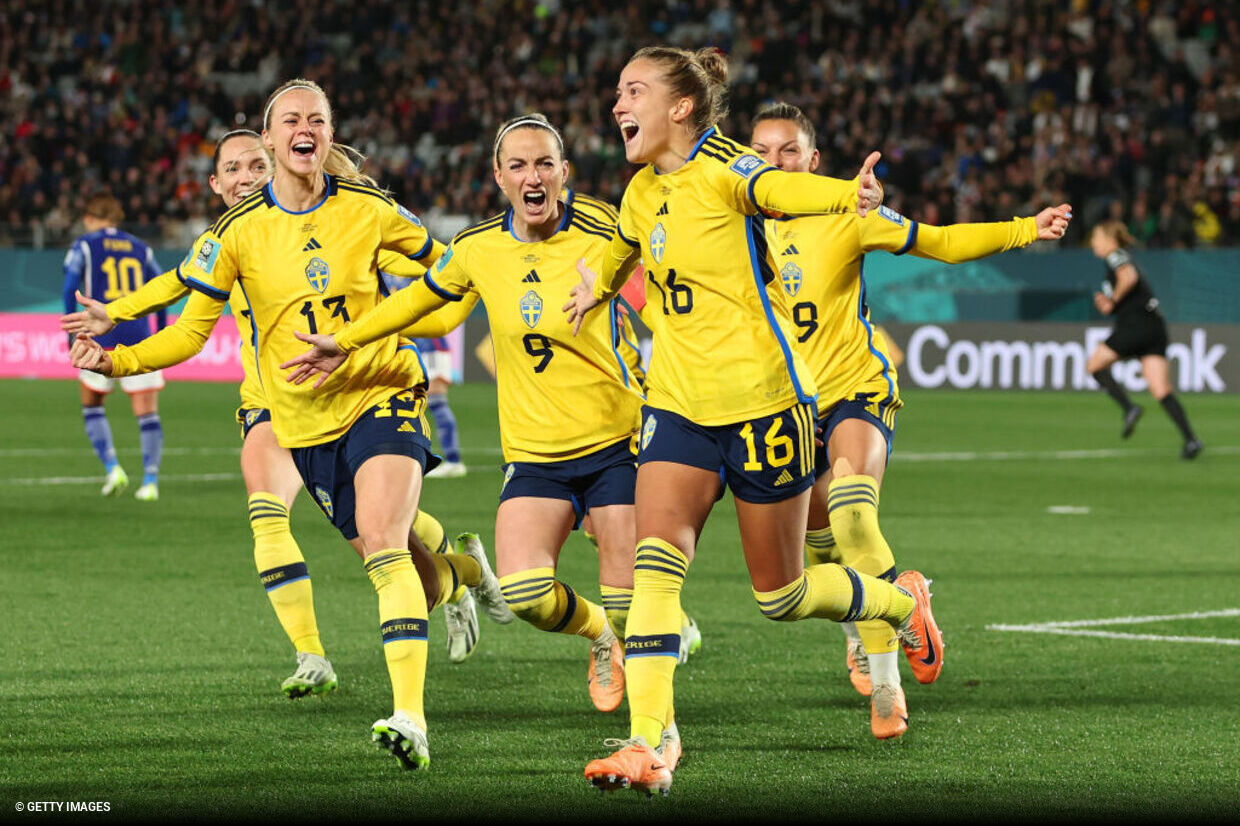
(107, 263)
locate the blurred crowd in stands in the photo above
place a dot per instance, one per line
(983, 110)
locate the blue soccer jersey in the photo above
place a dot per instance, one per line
(105, 265)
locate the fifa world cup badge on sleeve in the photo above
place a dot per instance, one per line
(891, 215)
(408, 216)
(745, 165)
(208, 253)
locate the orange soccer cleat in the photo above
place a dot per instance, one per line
(634, 766)
(858, 667)
(919, 634)
(888, 712)
(606, 674)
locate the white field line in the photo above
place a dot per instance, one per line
(1083, 628)
(97, 480)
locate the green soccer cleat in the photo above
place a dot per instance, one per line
(690, 640)
(149, 492)
(403, 738)
(314, 675)
(116, 483)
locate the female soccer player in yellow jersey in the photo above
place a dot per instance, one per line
(568, 408)
(302, 251)
(819, 266)
(725, 388)
(241, 166)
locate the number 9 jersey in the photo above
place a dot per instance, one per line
(312, 272)
(560, 396)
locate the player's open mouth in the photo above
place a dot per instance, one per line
(628, 129)
(303, 148)
(534, 201)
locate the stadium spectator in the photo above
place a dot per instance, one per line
(1076, 102)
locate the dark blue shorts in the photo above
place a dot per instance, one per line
(768, 459)
(247, 417)
(604, 477)
(394, 427)
(854, 408)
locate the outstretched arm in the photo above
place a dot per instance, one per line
(171, 345)
(956, 243)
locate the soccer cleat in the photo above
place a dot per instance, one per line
(888, 711)
(1191, 448)
(403, 738)
(858, 667)
(669, 747)
(690, 640)
(1131, 416)
(487, 591)
(314, 675)
(634, 765)
(606, 673)
(116, 483)
(447, 470)
(919, 635)
(461, 619)
(149, 492)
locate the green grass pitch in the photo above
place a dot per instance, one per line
(141, 660)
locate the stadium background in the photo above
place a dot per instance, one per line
(982, 110)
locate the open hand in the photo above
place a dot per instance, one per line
(93, 320)
(582, 296)
(323, 357)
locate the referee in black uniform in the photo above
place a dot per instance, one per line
(1140, 332)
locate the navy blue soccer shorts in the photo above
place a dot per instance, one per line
(854, 408)
(605, 477)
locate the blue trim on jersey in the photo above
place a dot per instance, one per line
(912, 238)
(753, 225)
(206, 289)
(869, 334)
(417, 352)
(627, 239)
(426, 248)
(708, 133)
(615, 334)
(438, 290)
(508, 219)
(258, 370)
(754, 180)
(327, 193)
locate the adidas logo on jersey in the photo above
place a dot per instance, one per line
(792, 250)
(405, 427)
(662, 209)
(783, 478)
(311, 245)
(531, 277)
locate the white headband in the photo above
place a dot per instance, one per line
(267, 111)
(517, 124)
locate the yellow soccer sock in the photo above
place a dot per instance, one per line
(402, 618)
(852, 502)
(820, 547)
(454, 572)
(431, 534)
(540, 599)
(282, 570)
(616, 602)
(652, 644)
(836, 592)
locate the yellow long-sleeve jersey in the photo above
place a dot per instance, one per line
(820, 261)
(308, 271)
(722, 347)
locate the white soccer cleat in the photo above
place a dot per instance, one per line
(487, 591)
(447, 470)
(403, 738)
(690, 640)
(149, 492)
(461, 619)
(314, 675)
(116, 483)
